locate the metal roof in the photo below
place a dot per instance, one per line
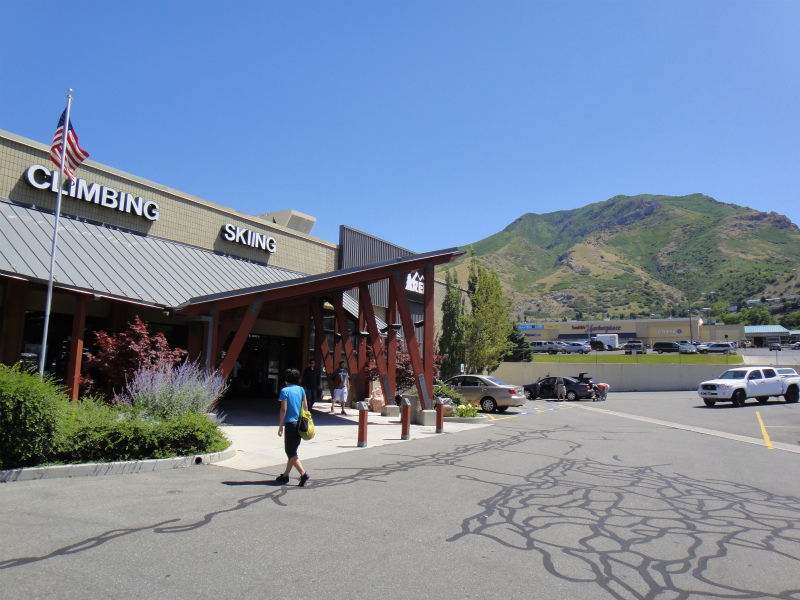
(118, 264)
(751, 329)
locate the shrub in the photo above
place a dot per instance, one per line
(164, 392)
(440, 390)
(120, 356)
(94, 431)
(28, 416)
(467, 410)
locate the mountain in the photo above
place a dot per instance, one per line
(644, 254)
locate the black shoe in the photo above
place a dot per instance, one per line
(282, 478)
(303, 478)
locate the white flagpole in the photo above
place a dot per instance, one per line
(64, 135)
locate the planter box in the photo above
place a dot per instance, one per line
(474, 420)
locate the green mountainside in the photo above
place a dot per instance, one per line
(642, 254)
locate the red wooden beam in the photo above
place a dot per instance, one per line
(428, 351)
(411, 339)
(317, 285)
(324, 357)
(391, 342)
(349, 354)
(245, 327)
(365, 300)
(76, 349)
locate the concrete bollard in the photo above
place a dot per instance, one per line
(405, 420)
(363, 413)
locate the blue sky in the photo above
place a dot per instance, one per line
(429, 124)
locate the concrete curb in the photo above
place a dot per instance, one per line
(475, 420)
(113, 468)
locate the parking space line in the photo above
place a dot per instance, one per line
(712, 432)
(764, 431)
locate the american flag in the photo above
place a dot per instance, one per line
(75, 155)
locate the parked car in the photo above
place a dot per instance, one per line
(634, 346)
(549, 347)
(700, 346)
(662, 347)
(795, 345)
(737, 385)
(774, 346)
(546, 388)
(688, 348)
(719, 348)
(574, 348)
(491, 394)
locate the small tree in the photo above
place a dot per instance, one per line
(120, 356)
(452, 342)
(488, 324)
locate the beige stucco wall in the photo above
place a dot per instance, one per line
(621, 378)
(183, 218)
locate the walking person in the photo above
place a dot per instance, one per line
(561, 389)
(292, 399)
(340, 389)
(312, 382)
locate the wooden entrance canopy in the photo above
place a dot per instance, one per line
(237, 311)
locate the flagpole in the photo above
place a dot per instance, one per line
(64, 136)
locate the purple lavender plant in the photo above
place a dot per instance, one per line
(164, 392)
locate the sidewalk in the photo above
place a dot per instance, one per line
(252, 427)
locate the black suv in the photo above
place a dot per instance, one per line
(662, 347)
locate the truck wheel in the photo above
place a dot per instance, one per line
(762, 399)
(739, 398)
(709, 403)
(488, 405)
(791, 395)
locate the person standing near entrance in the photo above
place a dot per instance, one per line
(340, 388)
(312, 382)
(561, 389)
(292, 399)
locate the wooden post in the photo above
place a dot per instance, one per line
(76, 346)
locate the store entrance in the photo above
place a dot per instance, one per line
(262, 362)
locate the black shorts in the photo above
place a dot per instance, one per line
(291, 439)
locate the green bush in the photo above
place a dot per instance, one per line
(440, 390)
(93, 431)
(29, 408)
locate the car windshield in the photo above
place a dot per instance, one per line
(496, 381)
(733, 375)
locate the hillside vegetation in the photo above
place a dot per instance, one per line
(641, 255)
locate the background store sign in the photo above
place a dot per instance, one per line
(43, 179)
(531, 326)
(247, 237)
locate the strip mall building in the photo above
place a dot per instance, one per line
(647, 330)
(229, 287)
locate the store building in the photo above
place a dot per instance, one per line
(648, 331)
(229, 287)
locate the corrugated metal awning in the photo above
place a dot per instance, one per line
(119, 264)
(757, 329)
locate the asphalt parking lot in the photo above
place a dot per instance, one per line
(778, 421)
(646, 495)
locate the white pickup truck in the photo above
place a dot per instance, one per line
(737, 385)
